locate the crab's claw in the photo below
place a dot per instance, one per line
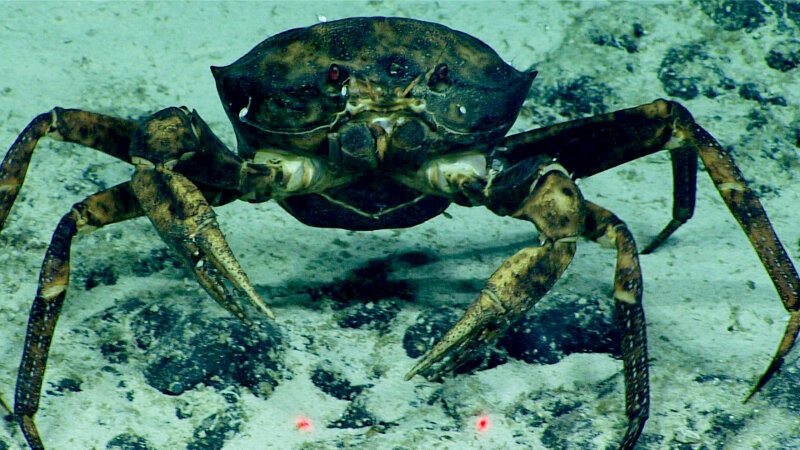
(186, 222)
(484, 320)
(510, 292)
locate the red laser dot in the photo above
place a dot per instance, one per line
(482, 423)
(302, 423)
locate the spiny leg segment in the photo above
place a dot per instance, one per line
(603, 226)
(110, 135)
(186, 222)
(750, 214)
(106, 207)
(511, 291)
(521, 280)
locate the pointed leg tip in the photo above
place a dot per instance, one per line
(755, 389)
(258, 302)
(418, 368)
(31, 433)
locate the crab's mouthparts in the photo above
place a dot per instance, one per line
(382, 127)
(382, 140)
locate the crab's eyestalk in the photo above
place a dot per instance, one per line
(439, 79)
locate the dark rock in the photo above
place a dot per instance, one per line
(793, 12)
(558, 326)
(675, 83)
(431, 326)
(724, 425)
(782, 389)
(734, 15)
(650, 440)
(568, 430)
(334, 384)
(789, 9)
(355, 416)
(183, 411)
(784, 55)
(753, 91)
(221, 354)
(181, 350)
(64, 385)
(782, 442)
(101, 275)
(687, 71)
(579, 97)
(115, 352)
(750, 91)
(563, 324)
(215, 429)
(373, 316)
(128, 441)
(622, 42)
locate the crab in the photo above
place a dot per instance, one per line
(375, 123)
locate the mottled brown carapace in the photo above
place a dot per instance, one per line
(373, 123)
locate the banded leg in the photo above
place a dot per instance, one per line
(594, 144)
(603, 226)
(110, 135)
(113, 205)
(748, 211)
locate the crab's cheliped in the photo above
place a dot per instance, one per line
(386, 131)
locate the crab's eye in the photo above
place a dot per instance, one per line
(336, 74)
(440, 78)
(335, 79)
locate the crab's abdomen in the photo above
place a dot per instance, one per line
(366, 205)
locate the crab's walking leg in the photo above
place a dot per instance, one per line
(747, 209)
(589, 146)
(113, 205)
(108, 134)
(603, 226)
(684, 191)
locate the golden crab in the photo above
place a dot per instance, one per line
(374, 123)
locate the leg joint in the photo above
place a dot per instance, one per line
(556, 206)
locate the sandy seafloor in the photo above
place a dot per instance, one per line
(713, 316)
